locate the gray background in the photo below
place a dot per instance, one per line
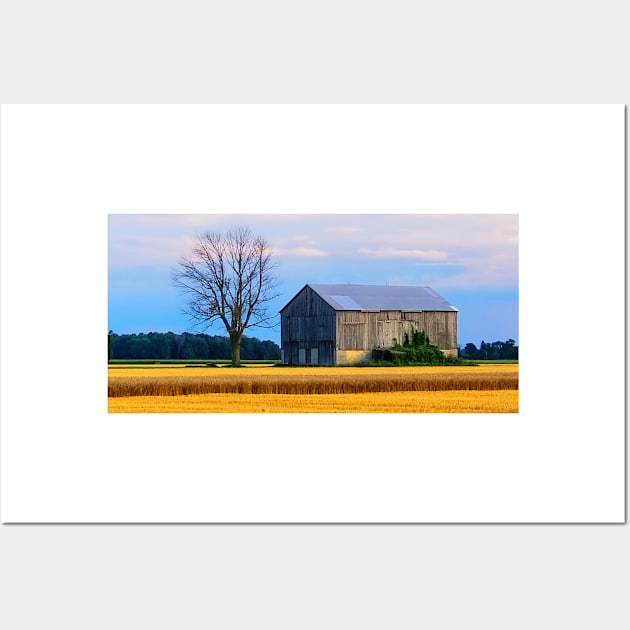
(483, 576)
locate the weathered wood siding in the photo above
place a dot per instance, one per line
(307, 331)
(352, 330)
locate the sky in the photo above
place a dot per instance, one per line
(469, 259)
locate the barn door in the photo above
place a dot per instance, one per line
(308, 356)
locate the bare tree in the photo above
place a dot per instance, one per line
(228, 277)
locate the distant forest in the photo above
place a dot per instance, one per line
(186, 346)
(201, 346)
(495, 350)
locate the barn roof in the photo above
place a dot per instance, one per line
(361, 297)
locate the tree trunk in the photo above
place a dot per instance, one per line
(235, 340)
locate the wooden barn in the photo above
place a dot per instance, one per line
(339, 324)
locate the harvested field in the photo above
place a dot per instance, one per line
(504, 401)
(485, 388)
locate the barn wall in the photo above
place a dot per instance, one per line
(307, 330)
(368, 330)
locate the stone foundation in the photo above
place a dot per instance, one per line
(348, 357)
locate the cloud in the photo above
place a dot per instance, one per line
(137, 251)
(299, 251)
(394, 252)
(346, 229)
(486, 273)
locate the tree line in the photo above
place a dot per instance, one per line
(495, 350)
(170, 345)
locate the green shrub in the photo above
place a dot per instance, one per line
(416, 350)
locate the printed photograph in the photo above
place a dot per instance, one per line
(314, 314)
(306, 313)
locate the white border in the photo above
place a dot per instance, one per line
(561, 168)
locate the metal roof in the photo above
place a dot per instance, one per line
(361, 297)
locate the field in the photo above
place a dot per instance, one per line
(266, 389)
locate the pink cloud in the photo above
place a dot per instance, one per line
(394, 252)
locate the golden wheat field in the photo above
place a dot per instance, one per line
(256, 389)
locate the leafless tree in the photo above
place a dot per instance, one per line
(228, 277)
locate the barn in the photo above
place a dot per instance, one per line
(339, 324)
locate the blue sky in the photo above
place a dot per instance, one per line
(470, 259)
